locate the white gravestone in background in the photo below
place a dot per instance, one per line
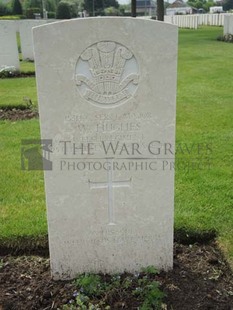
(107, 90)
(25, 30)
(228, 24)
(8, 45)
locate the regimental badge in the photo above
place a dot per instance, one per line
(107, 74)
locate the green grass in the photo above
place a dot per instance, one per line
(22, 200)
(27, 66)
(15, 91)
(203, 198)
(9, 17)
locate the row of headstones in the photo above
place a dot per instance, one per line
(182, 21)
(228, 24)
(212, 19)
(8, 29)
(193, 21)
(8, 41)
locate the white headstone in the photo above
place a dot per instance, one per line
(107, 91)
(26, 37)
(8, 45)
(228, 24)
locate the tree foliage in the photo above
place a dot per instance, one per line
(32, 4)
(76, 6)
(17, 7)
(111, 11)
(202, 4)
(98, 6)
(49, 4)
(4, 10)
(227, 5)
(63, 10)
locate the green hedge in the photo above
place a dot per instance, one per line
(12, 17)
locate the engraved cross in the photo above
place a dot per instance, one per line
(110, 184)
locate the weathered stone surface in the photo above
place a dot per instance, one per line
(107, 89)
(8, 45)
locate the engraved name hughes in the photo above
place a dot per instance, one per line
(107, 74)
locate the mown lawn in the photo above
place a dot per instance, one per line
(204, 198)
(22, 200)
(17, 91)
(27, 66)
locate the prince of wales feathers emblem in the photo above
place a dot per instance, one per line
(108, 81)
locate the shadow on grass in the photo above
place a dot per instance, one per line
(187, 236)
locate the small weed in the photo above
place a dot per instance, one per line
(126, 284)
(1, 263)
(29, 104)
(82, 302)
(153, 296)
(98, 291)
(150, 270)
(90, 284)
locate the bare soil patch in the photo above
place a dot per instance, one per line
(201, 279)
(17, 114)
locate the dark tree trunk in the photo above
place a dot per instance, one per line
(133, 8)
(160, 10)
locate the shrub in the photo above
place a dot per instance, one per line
(31, 11)
(50, 6)
(51, 15)
(63, 10)
(7, 72)
(111, 11)
(4, 9)
(32, 4)
(10, 17)
(17, 7)
(226, 38)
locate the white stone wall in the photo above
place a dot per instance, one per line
(8, 45)
(228, 24)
